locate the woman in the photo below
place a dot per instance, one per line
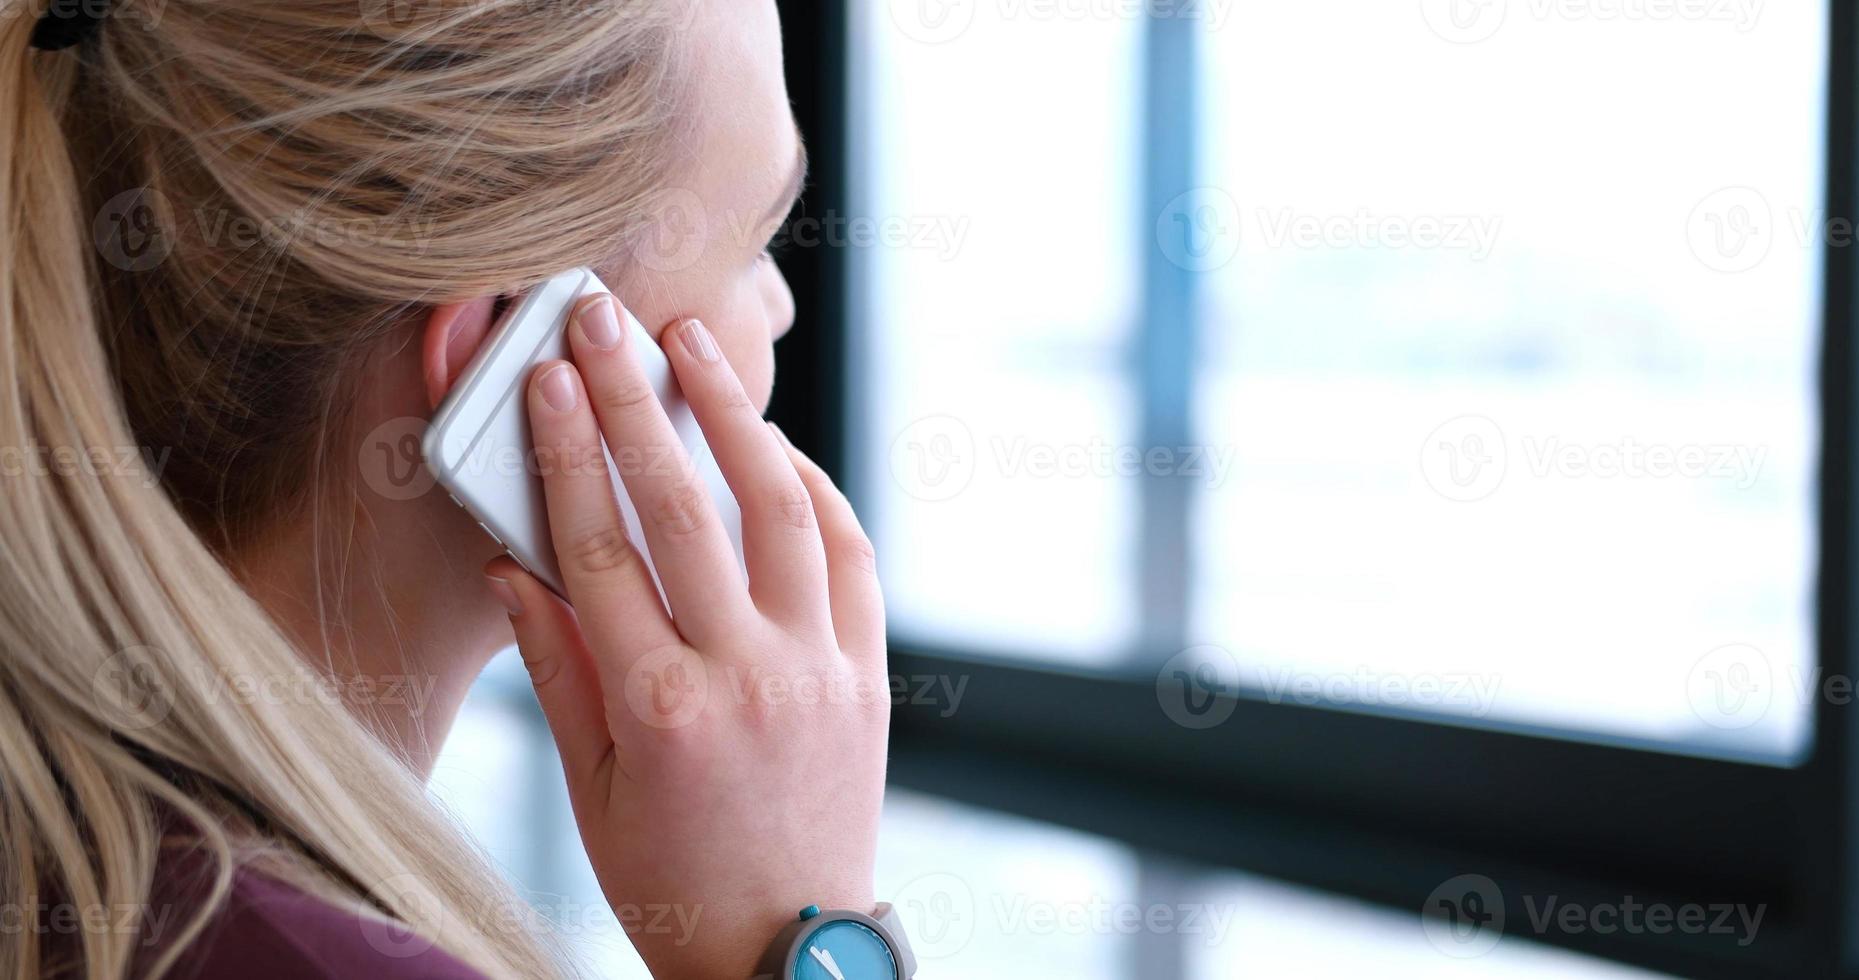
(248, 239)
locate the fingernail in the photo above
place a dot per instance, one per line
(506, 595)
(698, 341)
(558, 388)
(600, 323)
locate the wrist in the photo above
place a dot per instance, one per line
(724, 940)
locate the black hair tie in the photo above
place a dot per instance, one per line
(67, 22)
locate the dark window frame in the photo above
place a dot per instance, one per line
(1384, 807)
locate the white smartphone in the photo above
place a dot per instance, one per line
(479, 446)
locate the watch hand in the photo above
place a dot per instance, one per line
(826, 960)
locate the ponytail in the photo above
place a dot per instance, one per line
(76, 811)
(118, 620)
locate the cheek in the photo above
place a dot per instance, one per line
(737, 315)
(741, 325)
(746, 342)
(777, 299)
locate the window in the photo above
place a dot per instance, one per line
(1486, 411)
(1365, 443)
(1512, 407)
(995, 326)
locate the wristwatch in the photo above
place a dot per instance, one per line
(839, 944)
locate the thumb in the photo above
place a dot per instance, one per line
(549, 637)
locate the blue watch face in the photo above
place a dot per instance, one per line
(844, 951)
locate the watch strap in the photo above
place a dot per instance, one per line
(893, 933)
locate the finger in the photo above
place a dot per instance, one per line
(852, 565)
(560, 668)
(780, 535)
(683, 530)
(606, 579)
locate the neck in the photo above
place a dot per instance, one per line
(399, 644)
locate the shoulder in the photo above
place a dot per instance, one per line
(270, 929)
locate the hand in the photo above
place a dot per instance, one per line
(725, 760)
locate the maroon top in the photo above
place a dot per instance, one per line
(269, 929)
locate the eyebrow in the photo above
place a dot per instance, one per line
(796, 182)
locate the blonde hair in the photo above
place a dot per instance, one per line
(382, 155)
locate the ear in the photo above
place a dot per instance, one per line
(453, 333)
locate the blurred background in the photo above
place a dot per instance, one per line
(1358, 485)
